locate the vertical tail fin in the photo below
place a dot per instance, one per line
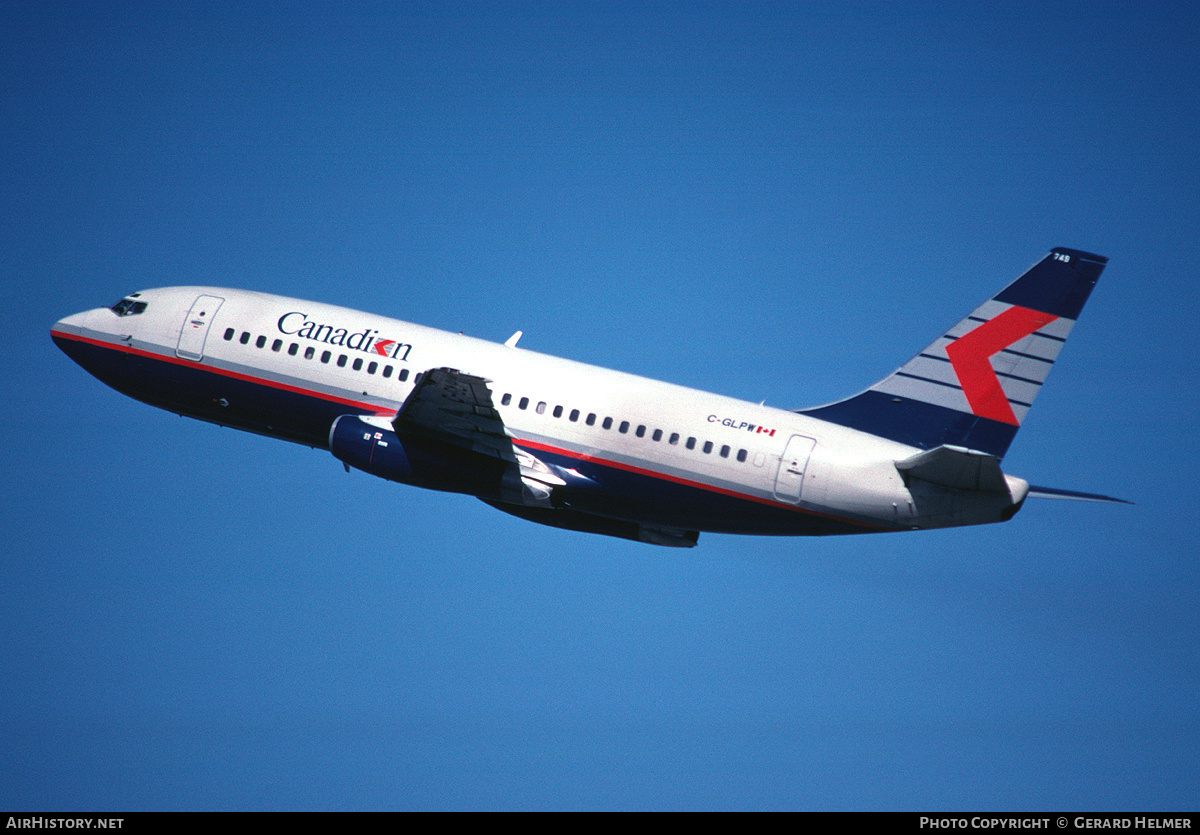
(974, 385)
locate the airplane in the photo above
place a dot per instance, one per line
(588, 449)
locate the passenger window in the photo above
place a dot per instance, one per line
(657, 436)
(541, 407)
(292, 349)
(325, 355)
(674, 439)
(276, 345)
(245, 337)
(403, 374)
(371, 367)
(591, 419)
(708, 445)
(624, 427)
(229, 334)
(310, 352)
(523, 403)
(387, 371)
(506, 399)
(260, 342)
(607, 423)
(558, 410)
(574, 416)
(741, 456)
(341, 363)
(725, 451)
(691, 443)
(358, 363)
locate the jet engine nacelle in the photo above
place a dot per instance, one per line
(371, 445)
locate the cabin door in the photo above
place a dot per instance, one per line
(195, 327)
(790, 479)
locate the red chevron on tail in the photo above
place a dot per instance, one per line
(971, 353)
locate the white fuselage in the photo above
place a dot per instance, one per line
(287, 368)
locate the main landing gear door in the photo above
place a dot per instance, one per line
(195, 327)
(789, 481)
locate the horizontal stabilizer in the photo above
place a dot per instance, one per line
(957, 467)
(1055, 493)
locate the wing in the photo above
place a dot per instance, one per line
(450, 406)
(456, 408)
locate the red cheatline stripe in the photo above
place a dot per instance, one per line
(971, 356)
(225, 372)
(522, 442)
(698, 485)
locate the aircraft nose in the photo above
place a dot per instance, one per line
(70, 334)
(76, 337)
(70, 325)
(72, 322)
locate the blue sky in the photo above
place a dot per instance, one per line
(770, 201)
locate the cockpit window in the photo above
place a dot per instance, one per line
(128, 307)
